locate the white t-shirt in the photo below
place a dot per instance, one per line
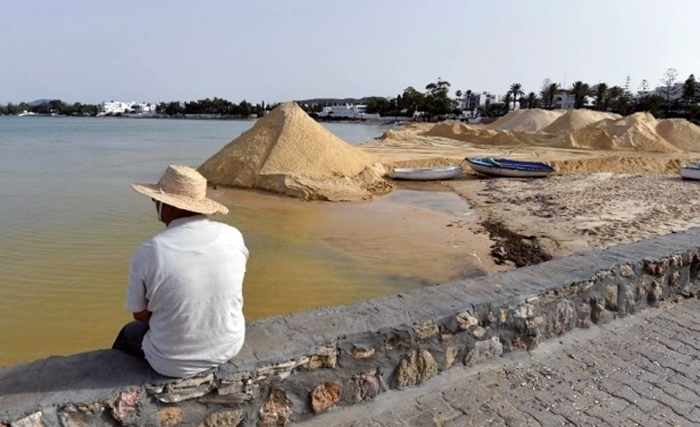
(190, 277)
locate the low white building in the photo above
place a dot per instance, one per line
(673, 93)
(353, 111)
(116, 107)
(567, 101)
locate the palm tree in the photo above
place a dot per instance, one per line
(516, 90)
(600, 92)
(623, 104)
(532, 100)
(580, 91)
(549, 93)
(614, 93)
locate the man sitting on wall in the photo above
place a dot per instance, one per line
(185, 283)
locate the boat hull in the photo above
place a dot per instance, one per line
(427, 174)
(690, 173)
(509, 168)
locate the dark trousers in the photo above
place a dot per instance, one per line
(130, 338)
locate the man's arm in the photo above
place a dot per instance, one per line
(143, 316)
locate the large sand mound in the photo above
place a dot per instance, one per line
(531, 120)
(634, 132)
(290, 153)
(577, 119)
(576, 129)
(681, 133)
(466, 133)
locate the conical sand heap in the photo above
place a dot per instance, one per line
(288, 152)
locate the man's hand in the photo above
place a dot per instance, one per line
(143, 316)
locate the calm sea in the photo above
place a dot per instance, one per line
(69, 223)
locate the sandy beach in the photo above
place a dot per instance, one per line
(617, 181)
(599, 197)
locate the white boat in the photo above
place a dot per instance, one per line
(427, 174)
(691, 171)
(509, 168)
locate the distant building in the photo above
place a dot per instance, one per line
(673, 93)
(567, 101)
(352, 111)
(116, 107)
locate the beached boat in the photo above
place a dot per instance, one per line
(507, 167)
(427, 174)
(691, 171)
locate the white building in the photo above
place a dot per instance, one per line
(115, 107)
(673, 93)
(353, 111)
(567, 101)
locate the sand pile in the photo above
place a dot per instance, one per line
(577, 119)
(398, 135)
(579, 129)
(462, 132)
(635, 132)
(290, 153)
(531, 120)
(681, 133)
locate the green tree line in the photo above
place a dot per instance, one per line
(436, 103)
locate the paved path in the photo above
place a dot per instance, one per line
(643, 370)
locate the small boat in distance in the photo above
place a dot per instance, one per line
(691, 171)
(510, 168)
(436, 173)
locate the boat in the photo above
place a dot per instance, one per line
(508, 167)
(427, 174)
(691, 171)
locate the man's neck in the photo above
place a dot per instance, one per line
(179, 213)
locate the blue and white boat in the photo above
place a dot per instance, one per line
(494, 166)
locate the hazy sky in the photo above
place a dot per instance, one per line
(279, 50)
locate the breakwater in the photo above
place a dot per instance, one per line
(295, 366)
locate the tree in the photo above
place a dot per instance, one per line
(580, 90)
(655, 104)
(532, 101)
(667, 81)
(623, 104)
(378, 105)
(601, 90)
(548, 92)
(517, 90)
(613, 96)
(506, 103)
(690, 88)
(411, 101)
(438, 103)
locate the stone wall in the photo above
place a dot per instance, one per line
(305, 363)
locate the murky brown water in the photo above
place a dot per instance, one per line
(62, 287)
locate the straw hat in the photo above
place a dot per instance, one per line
(184, 188)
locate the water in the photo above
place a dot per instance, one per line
(69, 223)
